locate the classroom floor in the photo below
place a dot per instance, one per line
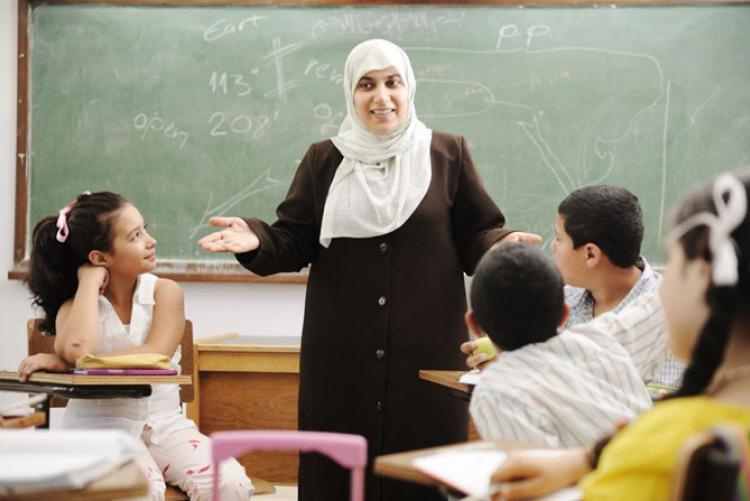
(283, 493)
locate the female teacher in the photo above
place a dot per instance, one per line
(390, 214)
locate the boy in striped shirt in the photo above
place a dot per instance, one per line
(544, 388)
(597, 245)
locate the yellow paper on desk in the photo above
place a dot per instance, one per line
(134, 361)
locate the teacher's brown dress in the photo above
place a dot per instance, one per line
(379, 309)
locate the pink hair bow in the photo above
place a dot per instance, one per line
(62, 219)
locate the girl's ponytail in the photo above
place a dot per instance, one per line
(52, 277)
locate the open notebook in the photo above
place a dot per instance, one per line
(469, 470)
(60, 459)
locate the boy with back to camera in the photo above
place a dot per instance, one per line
(544, 388)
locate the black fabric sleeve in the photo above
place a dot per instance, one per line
(477, 221)
(290, 243)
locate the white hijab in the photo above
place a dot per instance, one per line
(382, 178)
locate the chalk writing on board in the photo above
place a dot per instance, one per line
(473, 98)
(692, 117)
(323, 111)
(434, 70)
(597, 148)
(324, 71)
(541, 80)
(665, 130)
(155, 123)
(221, 83)
(384, 24)
(275, 57)
(260, 184)
(223, 124)
(558, 169)
(464, 98)
(511, 31)
(223, 27)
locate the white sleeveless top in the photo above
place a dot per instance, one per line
(161, 411)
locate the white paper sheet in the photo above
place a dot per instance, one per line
(468, 471)
(471, 377)
(60, 459)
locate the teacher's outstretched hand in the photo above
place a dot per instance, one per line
(236, 236)
(520, 236)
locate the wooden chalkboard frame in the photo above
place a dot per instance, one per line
(201, 271)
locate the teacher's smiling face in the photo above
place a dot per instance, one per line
(381, 100)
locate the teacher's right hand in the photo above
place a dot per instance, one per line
(236, 236)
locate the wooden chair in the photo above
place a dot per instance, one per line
(708, 465)
(40, 341)
(33, 420)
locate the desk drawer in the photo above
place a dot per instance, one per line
(253, 401)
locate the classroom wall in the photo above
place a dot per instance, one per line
(271, 309)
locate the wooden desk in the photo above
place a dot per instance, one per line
(400, 466)
(85, 383)
(82, 386)
(126, 482)
(449, 379)
(249, 382)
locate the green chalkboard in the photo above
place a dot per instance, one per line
(199, 111)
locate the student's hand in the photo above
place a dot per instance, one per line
(41, 362)
(236, 237)
(519, 236)
(98, 276)
(474, 361)
(528, 474)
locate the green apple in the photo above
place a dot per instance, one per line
(484, 345)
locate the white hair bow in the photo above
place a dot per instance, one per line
(730, 199)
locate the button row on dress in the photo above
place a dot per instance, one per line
(380, 354)
(383, 247)
(379, 405)
(381, 300)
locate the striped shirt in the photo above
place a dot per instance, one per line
(575, 387)
(581, 304)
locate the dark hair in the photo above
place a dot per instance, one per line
(608, 216)
(517, 295)
(53, 268)
(724, 302)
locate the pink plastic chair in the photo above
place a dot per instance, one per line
(349, 451)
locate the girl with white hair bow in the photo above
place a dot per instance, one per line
(389, 214)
